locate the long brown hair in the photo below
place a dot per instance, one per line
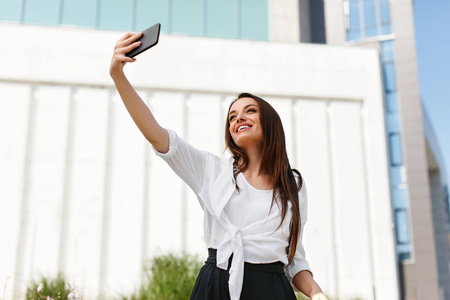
(274, 164)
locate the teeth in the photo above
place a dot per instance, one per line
(243, 127)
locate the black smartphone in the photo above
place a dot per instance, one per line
(149, 38)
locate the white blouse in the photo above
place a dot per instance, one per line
(230, 226)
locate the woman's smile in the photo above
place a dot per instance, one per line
(244, 116)
(243, 127)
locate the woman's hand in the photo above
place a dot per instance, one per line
(318, 296)
(124, 45)
(305, 283)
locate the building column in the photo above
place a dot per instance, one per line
(284, 21)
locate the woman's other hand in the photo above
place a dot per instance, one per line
(319, 296)
(124, 45)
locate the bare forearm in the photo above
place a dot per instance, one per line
(136, 107)
(140, 113)
(306, 284)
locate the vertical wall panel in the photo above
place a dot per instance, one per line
(166, 189)
(284, 110)
(14, 115)
(47, 179)
(86, 187)
(126, 190)
(313, 152)
(148, 157)
(350, 200)
(204, 118)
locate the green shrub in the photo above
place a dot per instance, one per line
(55, 288)
(168, 277)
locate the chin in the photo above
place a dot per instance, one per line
(244, 142)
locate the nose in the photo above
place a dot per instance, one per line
(240, 117)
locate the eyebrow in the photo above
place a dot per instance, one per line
(233, 111)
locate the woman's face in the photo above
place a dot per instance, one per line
(245, 125)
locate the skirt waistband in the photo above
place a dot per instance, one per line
(276, 267)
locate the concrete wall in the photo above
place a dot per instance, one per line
(285, 21)
(82, 193)
(421, 274)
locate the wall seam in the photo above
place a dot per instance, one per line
(106, 216)
(25, 201)
(66, 199)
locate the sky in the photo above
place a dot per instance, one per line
(432, 26)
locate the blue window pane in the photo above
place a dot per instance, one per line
(384, 8)
(400, 198)
(389, 77)
(386, 29)
(115, 15)
(149, 12)
(387, 51)
(370, 13)
(10, 10)
(354, 18)
(79, 12)
(254, 20)
(401, 218)
(353, 35)
(391, 102)
(222, 18)
(395, 147)
(404, 251)
(370, 31)
(397, 175)
(44, 12)
(393, 122)
(187, 17)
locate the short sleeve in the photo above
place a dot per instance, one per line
(299, 263)
(189, 163)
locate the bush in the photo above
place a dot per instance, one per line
(168, 277)
(56, 288)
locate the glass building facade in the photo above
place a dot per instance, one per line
(237, 19)
(366, 19)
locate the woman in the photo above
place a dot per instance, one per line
(254, 203)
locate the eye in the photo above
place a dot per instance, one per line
(252, 110)
(232, 118)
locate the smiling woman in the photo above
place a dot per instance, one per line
(255, 204)
(244, 124)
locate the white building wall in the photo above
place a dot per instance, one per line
(81, 191)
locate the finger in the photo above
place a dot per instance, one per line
(132, 46)
(128, 41)
(134, 37)
(125, 59)
(129, 38)
(125, 36)
(123, 50)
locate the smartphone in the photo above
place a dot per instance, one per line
(149, 38)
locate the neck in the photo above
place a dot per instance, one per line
(254, 162)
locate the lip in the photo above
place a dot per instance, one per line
(243, 124)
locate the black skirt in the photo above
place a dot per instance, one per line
(261, 282)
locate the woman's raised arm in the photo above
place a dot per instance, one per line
(138, 110)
